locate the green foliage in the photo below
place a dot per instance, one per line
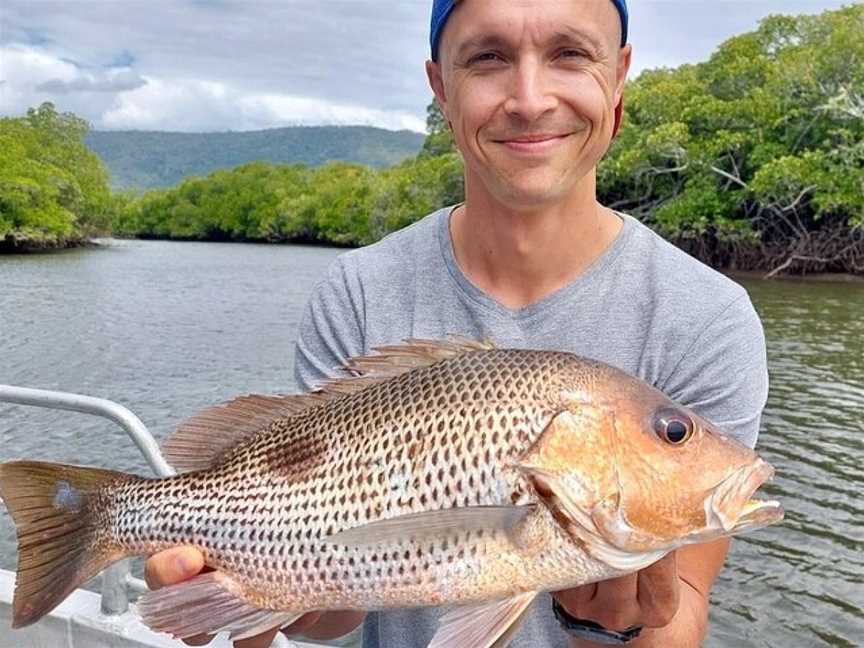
(439, 138)
(341, 203)
(415, 188)
(345, 204)
(769, 128)
(53, 189)
(149, 159)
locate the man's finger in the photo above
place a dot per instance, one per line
(302, 624)
(615, 605)
(172, 566)
(616, 591)
(261, 641)
(659, 591)
(576, 598)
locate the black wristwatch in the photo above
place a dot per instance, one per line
(591, 631)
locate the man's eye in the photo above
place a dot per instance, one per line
(485, 57)
(572, 53)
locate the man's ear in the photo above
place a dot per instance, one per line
(436, 82)
(623, 67)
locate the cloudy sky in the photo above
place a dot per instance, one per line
(204, 65)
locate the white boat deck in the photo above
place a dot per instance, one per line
(78, 622)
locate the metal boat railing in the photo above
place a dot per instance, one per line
(117, 580)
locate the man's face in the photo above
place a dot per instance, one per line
(530, 87)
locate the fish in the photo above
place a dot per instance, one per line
(432, 473)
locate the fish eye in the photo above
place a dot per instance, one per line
(673, 427)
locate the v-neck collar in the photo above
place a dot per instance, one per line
(563, 294)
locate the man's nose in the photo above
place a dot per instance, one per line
(529, 95)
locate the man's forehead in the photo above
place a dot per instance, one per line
(578, 27)
(594, 21)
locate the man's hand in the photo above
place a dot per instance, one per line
(180, 564)
(670, 598)
(649, 597)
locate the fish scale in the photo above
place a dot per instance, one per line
(440, 473)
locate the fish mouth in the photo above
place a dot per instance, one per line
(732, 507)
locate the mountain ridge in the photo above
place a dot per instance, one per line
(138, 159)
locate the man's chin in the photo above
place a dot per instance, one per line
(530, 191)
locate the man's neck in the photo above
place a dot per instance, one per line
(518, 257)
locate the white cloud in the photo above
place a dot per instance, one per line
(22, 69)
(111, 80)
(301, 61)
(308, 111)
(197, 105)
(30, 75)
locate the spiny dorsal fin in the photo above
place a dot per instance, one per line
(202, 440)
(392, 360)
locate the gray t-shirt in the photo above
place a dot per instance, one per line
(644, 306)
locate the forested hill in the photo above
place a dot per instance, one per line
(147, 159)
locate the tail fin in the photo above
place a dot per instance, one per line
(56, 510)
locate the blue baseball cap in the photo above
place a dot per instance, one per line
(441, 10)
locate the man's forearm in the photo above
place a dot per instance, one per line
(686, 630)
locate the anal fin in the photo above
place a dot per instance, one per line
(484, 625)
(208, 604)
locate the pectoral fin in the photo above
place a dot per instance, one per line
(485, 625)
(431, 524)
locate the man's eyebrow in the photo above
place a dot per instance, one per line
(569, 33)
(483, 41)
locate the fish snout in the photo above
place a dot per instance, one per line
(731, 508)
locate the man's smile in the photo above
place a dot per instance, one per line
(533, 144)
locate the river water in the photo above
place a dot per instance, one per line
(168, 328)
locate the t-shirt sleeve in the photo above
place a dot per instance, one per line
(332, 327)
(723, 374)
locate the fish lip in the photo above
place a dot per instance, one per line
(735, 494)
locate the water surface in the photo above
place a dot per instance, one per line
(168, 328)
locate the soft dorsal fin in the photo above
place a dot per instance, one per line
(200, 441)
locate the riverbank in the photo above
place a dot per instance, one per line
(17, 244)
(11, 245)
(816, 277)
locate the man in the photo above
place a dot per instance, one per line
(532, 90)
